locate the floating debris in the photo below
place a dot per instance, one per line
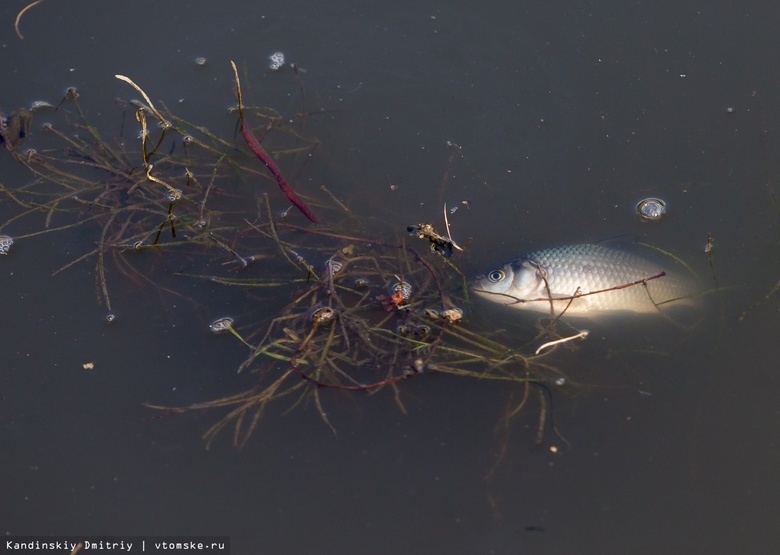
(323, 316)
(201, 61)
(708, 246)
(439, 244)
(222, 325)
(5, 244)
(651, 209)
(450, 316)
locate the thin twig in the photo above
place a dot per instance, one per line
(20, 14)
(583, 334)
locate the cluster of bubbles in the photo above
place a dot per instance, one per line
(5, 244)
(404, 288)
(174, 194)
(277, 60)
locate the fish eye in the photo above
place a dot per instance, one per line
(496, 275)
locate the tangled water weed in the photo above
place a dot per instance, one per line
(377, 312)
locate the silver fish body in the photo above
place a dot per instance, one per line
(584, 280)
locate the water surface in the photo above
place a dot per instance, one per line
(564, 117)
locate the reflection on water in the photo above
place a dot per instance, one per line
(559, 134)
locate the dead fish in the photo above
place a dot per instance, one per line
(584, 280)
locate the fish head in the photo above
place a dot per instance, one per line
(511, 283)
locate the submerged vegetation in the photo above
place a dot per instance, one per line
(378, 312)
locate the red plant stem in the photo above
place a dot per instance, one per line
(254, 145)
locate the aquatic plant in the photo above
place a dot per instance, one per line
(379, 310)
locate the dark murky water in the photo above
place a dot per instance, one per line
(565, 117)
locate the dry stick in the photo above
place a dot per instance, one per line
(19, 17)
(254, 145)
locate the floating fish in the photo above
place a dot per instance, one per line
(583, 280)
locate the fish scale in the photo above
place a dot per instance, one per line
(545, 281)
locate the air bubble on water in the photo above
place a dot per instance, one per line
(403, 288)
(651, 209)
(5, 243)
(560, 381)
(323, 316)
(276, 60)
(110, 317)
(222, 325)
(200, 61)
(40, 105)
(174, 195)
